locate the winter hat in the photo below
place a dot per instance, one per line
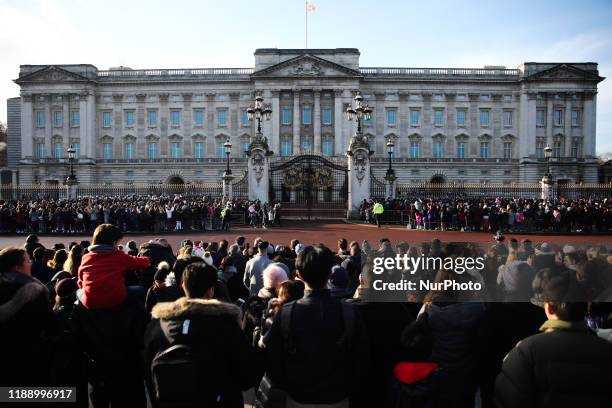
(545, 249)
(32, 239)
(278, 248)
(568, 249)
(208, 260)
(65, 288)
(162, 270)
(270, 249)
(299, 247)
(338, 278)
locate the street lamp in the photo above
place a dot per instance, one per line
(71, 157)
(259, 112)
(548, 154)
(390, 176)
(228, 151)
(361, 112)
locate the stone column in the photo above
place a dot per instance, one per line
(296, 121)
(210, 124)
(317, 121)
(91, 125)
(527, 124)
(589, 123)
(227, 187)
(258, 172)
(567, 133)
(549, 119)
(49, 124)
(339, 147)
(359, 177)
(71, 188)
(27, 127)
(547, 186)
(274, 138)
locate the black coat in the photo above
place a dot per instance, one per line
(384, 322)
(456, 330)
(316, 369)
(26, 319)
(567, 366)
(156, 253)
(215, 326)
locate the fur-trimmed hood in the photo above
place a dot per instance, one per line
(30, 290)
(191, 307)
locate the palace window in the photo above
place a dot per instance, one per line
(107, 151)
(58, 150)
(129, 151)
(198, 150)
(391, 117)
(307, 116)
(507, 118)
(461, 150)
(540, 149)
(152, 119)
(484, 118)
(438, 114)
(327, 116)
(558, 117)
(415, 150)
(106, 119)
(222, 117)
(507, 150)
(286, 148)
(576, 117)
(484, 150)
(328, 147)
(57, 119)
(152, 147)
(176, 118)
(438, 148)
(75, 119)
(41, 150)
(286, 116)
(40, 119)
(176, 150)
(461, 117)
(198, 118)
(415, 117)
(540, 117)
(129, 119)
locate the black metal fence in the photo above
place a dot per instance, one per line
(378, 188)
(468, 190)
(58, 191)
(240, 189)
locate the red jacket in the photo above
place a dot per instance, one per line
(102, 276)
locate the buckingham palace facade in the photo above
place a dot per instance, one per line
(487, 125)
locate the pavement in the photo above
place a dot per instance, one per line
(327, 232)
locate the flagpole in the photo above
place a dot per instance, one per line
(306, 10)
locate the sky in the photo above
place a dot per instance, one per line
(391, 33)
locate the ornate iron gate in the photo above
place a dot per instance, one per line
(309, 182)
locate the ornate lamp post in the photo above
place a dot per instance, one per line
(228, 151)
(390, 176)
(547, 180)
(71, 158)
(259, 113)
(361, 112)
(548, 154)
(71, 180)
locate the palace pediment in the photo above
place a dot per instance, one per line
(51, 73)
(564, 72)
(306, 66)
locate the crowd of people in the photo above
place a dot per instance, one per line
(494, 214)
(133, 213)
(297, 323)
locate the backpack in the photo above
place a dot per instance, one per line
(182, 375)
